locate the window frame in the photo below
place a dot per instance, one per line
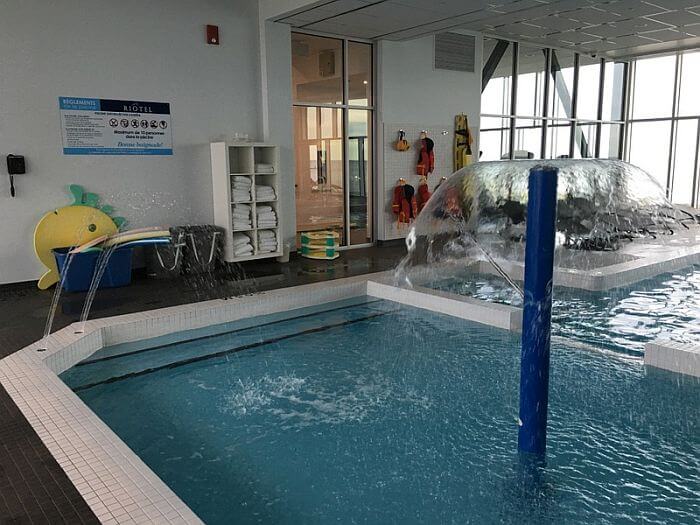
(674, 119)
(546, 121)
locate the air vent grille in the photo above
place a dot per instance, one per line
(455, 52)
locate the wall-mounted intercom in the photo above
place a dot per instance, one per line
(15, 166)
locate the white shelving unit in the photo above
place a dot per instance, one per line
(230, 159)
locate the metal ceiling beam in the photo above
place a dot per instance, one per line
(492, 63)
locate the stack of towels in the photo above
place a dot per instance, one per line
(267, 241)
(264, 168)
(267, 218)
(241, 189)
(242, 247)
(264, 193)
(242, 217)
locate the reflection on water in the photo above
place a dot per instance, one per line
(667, 306)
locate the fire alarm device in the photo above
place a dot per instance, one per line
(213, 35)
(15, 166)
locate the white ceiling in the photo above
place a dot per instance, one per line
(613, 28)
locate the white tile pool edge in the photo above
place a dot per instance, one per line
(117, 485)
(681, 358)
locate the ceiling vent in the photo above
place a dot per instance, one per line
(455, 52)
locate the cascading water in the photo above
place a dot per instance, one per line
(479, 214)
(100, 267)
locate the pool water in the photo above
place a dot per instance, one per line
(374, 413)
(621, 319)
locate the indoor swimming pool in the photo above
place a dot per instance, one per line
(621, 319)
(367, 411)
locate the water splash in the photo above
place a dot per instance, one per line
(480, 212)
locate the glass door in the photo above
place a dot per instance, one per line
(320, 185)
(333, 122)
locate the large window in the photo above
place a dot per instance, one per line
(546, 103)
(663, 118)
(332, 96)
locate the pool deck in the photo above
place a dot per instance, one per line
(34, 488)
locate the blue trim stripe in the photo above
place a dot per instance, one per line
(117, 151)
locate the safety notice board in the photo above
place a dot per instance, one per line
(95, 126)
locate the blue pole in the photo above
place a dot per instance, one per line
(537, 310)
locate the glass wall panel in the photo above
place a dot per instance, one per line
(584, 143)
(689, 100)
(359, 74)
(613, 90)
(561, 84)
(495, 98)
(528, 139)
(610, 140)
(684, 161)
(531, 66)
(360, 180)
(320, 202)
(653, 87)
(558, 134)
(317, 69)
(493, 144)
(649, 146)
(588, 88)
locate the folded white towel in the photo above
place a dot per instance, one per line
(242, 252)
(264, 167)
(265, 190)
(266, 234)
(242, 179)
(267, 215)
(263, 209)
(245, 207)
(242, 226)
(240, 239)
(267, 224)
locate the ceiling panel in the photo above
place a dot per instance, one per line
(674, 4)
(593, 26)
(677, 18)
(593, 15)
(558, 23)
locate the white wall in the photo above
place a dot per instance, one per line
(276, 115)
(129, 49)
(411, 92)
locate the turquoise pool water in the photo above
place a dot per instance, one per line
(621, 319)
(375, 413)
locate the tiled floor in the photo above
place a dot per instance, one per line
(33, 488)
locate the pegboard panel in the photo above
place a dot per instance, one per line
(397, 164)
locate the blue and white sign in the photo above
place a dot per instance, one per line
(95, 126)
